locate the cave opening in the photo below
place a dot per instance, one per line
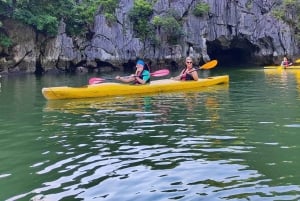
(237, 52)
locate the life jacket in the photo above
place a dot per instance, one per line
(285, 63)
(186, 76)
(141, 75)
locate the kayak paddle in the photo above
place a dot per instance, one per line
(96, 80)
(209, 65)
(158, 73)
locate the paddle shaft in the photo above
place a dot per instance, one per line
(158, 73)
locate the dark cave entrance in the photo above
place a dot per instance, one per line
(237, 52)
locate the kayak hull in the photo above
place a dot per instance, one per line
(280, 67)
(120, 89)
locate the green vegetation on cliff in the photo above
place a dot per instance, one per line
(288, 11)
(78, 15)
(140, 15)
(201, 9)
(170, 26)
(45, 15)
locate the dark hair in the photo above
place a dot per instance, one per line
(146, 67)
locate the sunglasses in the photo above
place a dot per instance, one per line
(189, 62)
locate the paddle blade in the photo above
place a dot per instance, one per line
(95, 80)
(297, 61)
(209, 65)
(160, 73)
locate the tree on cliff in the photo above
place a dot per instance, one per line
(45, 15)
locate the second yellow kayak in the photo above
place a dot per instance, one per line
(280, 67)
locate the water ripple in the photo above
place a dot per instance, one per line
(208, 145)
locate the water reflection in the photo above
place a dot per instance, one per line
(222, 143)
(103, 146)
(110, 103)
(286, 78)
(275, 75)
(298, 81)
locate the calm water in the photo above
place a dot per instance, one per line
(230, 142)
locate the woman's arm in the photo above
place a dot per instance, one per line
(139, 80)
(178, 77)
(125, 79)
(194, 74)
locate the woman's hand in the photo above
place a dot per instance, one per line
(176, 78)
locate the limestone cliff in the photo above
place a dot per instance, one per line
(233, 31)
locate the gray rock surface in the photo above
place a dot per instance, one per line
(240, 30)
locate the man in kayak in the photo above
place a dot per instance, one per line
(189, 72)
(141, 76)
(285, 63)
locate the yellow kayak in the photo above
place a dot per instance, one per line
(280, 67)
(113, 102)
(120, 89)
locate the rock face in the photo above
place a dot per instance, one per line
(234, 32)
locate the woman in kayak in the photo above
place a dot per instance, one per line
(189, 72)
(285, 63)
(141, 76)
